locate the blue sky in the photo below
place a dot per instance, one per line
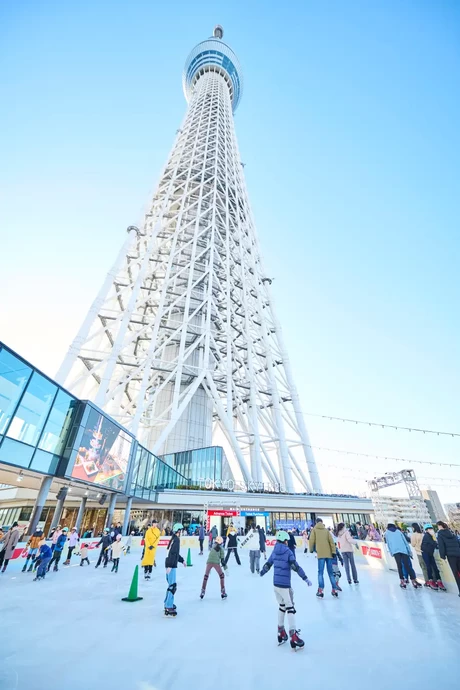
(349, 130)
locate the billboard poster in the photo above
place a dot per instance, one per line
(103, 455)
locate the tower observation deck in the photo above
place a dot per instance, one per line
(181, 344)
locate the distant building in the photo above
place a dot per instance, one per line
(407, 510)
(453, 514)
(434, 505)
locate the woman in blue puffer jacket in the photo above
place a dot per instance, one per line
(284, 561)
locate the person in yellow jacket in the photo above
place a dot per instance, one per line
(151, 539)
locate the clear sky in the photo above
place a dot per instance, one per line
(349, 128)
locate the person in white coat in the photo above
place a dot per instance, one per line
(252, 539)
(347, 544)
(117, 550)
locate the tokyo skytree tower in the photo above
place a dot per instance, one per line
(182, 342)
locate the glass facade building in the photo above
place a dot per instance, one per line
(202, 463)
(35, 416)
(150, 474)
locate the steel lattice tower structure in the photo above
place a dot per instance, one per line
(182, 337)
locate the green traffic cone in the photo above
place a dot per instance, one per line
(189, 559)
(132, 595)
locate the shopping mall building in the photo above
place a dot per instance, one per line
(64, 460)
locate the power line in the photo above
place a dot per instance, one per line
(384, 426)
(383, 457)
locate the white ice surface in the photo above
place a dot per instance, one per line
(71, 631)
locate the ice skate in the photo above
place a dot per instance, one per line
(440, 585)
(202, 594)
(356, 582)
(66, 563)
(171, 612)
(223, 595)
(416, 584)
(402, 584)
(432, 585)
(349, 582)
(24, 568)
(335, 593)
(338, 587)
(296, 642)
(31, 567)
(320, 593)
(282, 635)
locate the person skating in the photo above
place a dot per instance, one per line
(283, 561)
(400, 550)
(253, 541)
(232, 547)
(58, 549)
(212, 536)
(262, 541)
(305, 541)
(429, 546)
(215, 561)
(416, 539)
(44, 558)
(449, 548)
(84, 554)
(201, 536)
(117, 550)
(55, 536)
(335, 568)
(322, 542)
(172, 559)
(129, 542)
(292, 542)
(151, 539)
(74, 538)
(9, 542)
(347, 543)
(33, 546)
(105, 543)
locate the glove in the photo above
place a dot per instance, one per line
(150, 548)
(309, 583)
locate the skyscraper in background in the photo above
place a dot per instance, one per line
(434, 505)
(182, 343)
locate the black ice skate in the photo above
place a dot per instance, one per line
(202, 594)
(296, 642)
(223, 595)
(320, 593)
(335, 593)
(171, 612)
(282, 635)
(402, 584)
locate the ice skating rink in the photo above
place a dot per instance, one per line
(72, 631)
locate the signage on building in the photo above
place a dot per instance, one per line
(223, 513)
(254, 513)
(232, 485)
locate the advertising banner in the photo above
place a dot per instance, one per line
(103, 455)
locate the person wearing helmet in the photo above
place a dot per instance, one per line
(32, 545)
(74, 538)
(428, 547)
(216, 561)
(105, 543)
(172, 559)
(284, 561)
(58, 549)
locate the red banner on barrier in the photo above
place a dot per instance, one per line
(373, 551)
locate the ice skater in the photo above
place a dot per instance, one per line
(172, 559)
(322, 542)
(84, 554)
(74, 538)
(347, 543)
(215, 561)
(151, 539)
(129, 542)
(335, 568)
(253, 541)
(117, 549)
(44, 557)
(58, 549)
(283, 561)
(429, 546)
(401, 551)
(32, 545)
(105, 543)
(232, 547)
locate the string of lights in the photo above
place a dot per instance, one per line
(385, 426)
(384, 457)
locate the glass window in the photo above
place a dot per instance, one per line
(14, 375)
(31, 414)
(45, 462)
(16, 453)
(58, 424)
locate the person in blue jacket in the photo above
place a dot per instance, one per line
(401, 551)
(44, 554)
(58, 549)
(284, 562)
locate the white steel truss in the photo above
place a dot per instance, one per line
(182, 336)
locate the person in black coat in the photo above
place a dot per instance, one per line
(292, 542)
(232, 547)
(449, 549)
(428, 547)
(262, 541)
(172, 559)
(105, 543)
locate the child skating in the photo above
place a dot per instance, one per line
(44, 558)
(84, 554)
(32, 545)
(335, 568)
(284, 561)
(215, 561)
(171, 561)
(117, 550)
